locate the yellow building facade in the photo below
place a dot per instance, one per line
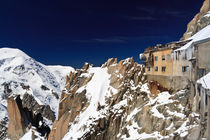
(167, 67)
(161, 62)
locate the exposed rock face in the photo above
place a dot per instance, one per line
(69, 108)
(201, 20)
(70, 103)
(26, 113)
(31, 104)
(16, 128)
(129, 111)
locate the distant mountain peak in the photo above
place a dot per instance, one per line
(11, 52)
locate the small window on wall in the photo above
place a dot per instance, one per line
(168, 57)
(163, 57)
(156, 68)
(184, 56)
(199, 91)
(156, 58)
(148, 68)
(201, 72)
(184, 68)
(177, 56)
(163, 69)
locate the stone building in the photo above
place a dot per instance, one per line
(197, 58)
(161, 67)
(203, 100)
(179, 64)
(196, 52)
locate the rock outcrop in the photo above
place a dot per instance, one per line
(129, 110)
(70, 103)
(16, 128)
(201, 20)
(26, 113)
(31, 104)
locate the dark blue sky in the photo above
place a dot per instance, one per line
(71, 32)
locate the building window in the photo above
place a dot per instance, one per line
(163, 57)
(184, 56)
(163, 69)
(201, 72)
(148, 68)
(184, 68)
(168, 57)
(177, 55)
(199, 91)
(156, 68)
(156, 58)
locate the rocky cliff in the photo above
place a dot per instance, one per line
(201, 20)
(115, 102)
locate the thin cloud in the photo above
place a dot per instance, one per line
(149, 10)
(141, 18)
(153, 11)
(176, 13)
(109, 40)
(140, 38)
(124, 39)
(102, 40)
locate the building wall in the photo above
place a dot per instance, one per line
(170, 82)
(173, 77)
(178, 66)
(168, 64)
(208, 118)
(202, 61)
(203, 106)
(203, 56)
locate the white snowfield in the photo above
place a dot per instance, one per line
(18, 69)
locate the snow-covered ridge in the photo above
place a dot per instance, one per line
(9, 53)
(24, 74)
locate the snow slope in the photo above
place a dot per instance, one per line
(97, 90)
(29, 135)
(24, 74)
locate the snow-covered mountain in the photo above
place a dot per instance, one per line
(20, 74)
